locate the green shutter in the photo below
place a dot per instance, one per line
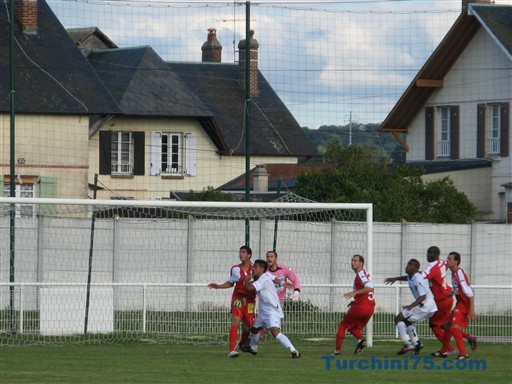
(2, 192)
(48, 187)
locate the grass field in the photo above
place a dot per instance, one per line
(168, 363)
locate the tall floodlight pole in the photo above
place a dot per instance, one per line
(12, 214)
(247, 114)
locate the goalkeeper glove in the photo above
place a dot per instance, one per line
(296, 296)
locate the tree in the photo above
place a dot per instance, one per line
(397, 193)
(208, 194)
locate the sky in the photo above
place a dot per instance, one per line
(331, 62)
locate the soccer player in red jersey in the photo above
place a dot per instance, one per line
(242, 301)
(361, 309)
(464, 308)
(435, 273)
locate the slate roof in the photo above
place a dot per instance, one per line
(52, 76)
(274, 131)
(496, 19)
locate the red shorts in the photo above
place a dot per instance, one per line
(357, 317)
(243, 308)
(444, 312)
(460, 318)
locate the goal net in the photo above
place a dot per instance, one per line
(85, 271)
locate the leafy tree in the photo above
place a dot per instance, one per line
(397, 193)
(208, 194)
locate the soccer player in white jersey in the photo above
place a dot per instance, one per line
(423, 307)
(270, 311)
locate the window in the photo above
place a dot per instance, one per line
(173, 154)
(494, 136)
(25, 188)
(122, 152)
(443, 145)
(172, 162)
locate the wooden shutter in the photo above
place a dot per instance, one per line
(48, 186)
(138, 153)
(105, 152)
(505, 130)
(454, 132)
(155, 166)
(480, 131)
(191, 154)
(429, 133)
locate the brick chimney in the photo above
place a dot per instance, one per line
(26, 14)
(212, 49)
(260, 179)
(242, 51)
(465, 3)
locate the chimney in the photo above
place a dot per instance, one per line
(260, 179)
(26, 14)
(212, 49)
(465, 3)
(242, 49)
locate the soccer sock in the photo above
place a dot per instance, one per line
(438, 332)
(446, 341)
(233, 337)
(340, 335)
(457, 335)
(402, 332)
(285, 341)
(411, 332)
(465, 335)
(255, 339)
(356, 333)
(244, 337)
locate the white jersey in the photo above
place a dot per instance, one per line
(267, 296)
(419, 287)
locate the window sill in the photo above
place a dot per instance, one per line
(119, 176)
(172, 177)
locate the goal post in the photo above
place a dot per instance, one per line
(147, 269)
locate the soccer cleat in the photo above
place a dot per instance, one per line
(406, 348)
(253, 350)
(472, 342)
(233, 354)
(417, 348)
(336, 353)
(244, 347)
(295, 354)
(462, 357)
(360, 346)
(439, 354)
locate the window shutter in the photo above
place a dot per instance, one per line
(156, 154)
(191, 154)
(504, 133)
(2, 194)
(48, 187)
(454, 132)
(480, 131)
(429, 133)
(105, 152)
(138, 153)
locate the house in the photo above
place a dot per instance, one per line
(183, 126)
(454, 118)
(55, 92)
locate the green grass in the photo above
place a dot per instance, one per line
(170, 363)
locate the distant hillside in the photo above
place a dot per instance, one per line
(365, 135)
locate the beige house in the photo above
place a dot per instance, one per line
(454, 118)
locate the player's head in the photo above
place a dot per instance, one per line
(271, 258)
(245, 252)
(412, 267)
(433, 253)
(357, 263)
(260, 267)
(453, 260)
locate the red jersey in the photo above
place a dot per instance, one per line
(237, 277)
(361, 281)
(436, 274)
(462, 289)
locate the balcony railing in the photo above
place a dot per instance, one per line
(443, 148)
(494, 146)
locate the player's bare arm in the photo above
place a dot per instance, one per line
(362, 291)
(225, 285)
(392, 280)
(417, 302)
(248, 284)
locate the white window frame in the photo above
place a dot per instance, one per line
(28, 190)
(443, 145)
(495, 129)
(122, 153)
(171, 160)
(185, 152)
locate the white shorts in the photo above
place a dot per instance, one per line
(418, 313)
(269, 321)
